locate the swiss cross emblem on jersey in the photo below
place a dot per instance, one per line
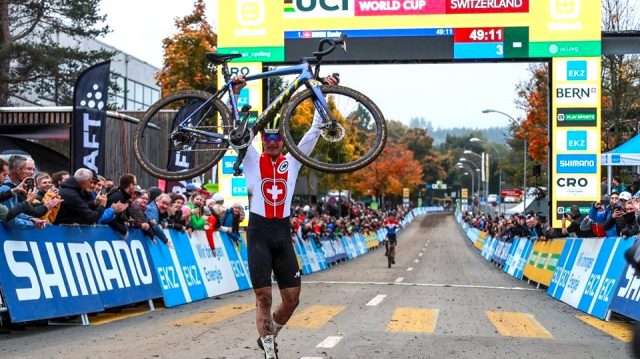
(274, 191)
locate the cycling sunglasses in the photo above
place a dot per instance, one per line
(268, 137)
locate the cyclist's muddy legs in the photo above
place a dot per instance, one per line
(290, 300)
(264, 322)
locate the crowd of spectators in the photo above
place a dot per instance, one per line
(30, 200)
(617, 214)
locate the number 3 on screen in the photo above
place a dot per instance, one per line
(499, 50)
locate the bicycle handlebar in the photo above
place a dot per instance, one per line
(332, 46)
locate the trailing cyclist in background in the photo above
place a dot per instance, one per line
(185, 134)
(392, 225)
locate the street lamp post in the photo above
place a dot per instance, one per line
(485, 171)
(524, 179)
(497, 153)
(468, 168)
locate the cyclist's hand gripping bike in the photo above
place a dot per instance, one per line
(185, 134)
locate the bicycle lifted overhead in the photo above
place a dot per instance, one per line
(352, 129)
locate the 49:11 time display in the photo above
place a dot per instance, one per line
(493, 35)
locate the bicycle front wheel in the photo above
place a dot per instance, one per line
(354, 143)
(167, 152)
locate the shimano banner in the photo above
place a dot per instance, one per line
(62, 273)
(88, 128)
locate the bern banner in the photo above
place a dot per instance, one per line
(88, 127)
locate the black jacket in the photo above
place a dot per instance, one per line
(78, 206)
(115, 196)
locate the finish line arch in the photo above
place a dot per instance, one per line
(565, 34)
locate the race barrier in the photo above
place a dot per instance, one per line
(588, 274)
(63, 271)
(544, 260)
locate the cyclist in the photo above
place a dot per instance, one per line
(392, 225)
(271, 179)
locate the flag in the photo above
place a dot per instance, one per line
(88, 127)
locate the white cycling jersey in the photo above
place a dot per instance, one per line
(271, 184)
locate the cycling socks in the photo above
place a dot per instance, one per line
(269, 347)
(276, 328)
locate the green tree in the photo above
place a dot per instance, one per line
(32, 61)
(185, 66)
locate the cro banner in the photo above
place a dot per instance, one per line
(57, 272)
(587, 273)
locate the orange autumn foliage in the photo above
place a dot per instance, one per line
(184, 64)
(393, 170)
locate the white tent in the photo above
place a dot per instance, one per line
(627, 154)
(520, 207)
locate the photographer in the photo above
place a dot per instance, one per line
(18, 182)
(571, 224)
(624, 218)
(600, 212)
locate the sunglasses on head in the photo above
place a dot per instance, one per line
(272, 137)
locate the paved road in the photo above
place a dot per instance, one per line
(441, 300)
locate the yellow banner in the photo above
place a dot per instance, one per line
(543, 260)
(249, 23)
(479, 243)
(575, 157)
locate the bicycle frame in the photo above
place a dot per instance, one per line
(305, 77)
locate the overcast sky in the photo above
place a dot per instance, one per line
(449, 95)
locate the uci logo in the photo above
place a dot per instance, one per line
(284, 166)
(572, 182)
(326, 5)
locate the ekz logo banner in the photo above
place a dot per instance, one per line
(576, 70)
(577, 117)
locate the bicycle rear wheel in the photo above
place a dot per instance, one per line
(361, 135)
(156, 140)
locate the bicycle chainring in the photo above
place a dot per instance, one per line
(239, 143)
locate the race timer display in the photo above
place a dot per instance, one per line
(419, 43)
(491, 43)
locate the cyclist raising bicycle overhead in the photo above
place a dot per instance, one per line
(271, 179)
(392, 225)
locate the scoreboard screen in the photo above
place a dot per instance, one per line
(436, 44)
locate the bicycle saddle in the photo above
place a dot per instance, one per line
(221, 58)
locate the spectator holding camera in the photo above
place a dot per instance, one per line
(623, 218)
(17, 184)
(571, 224)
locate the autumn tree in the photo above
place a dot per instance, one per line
(534, 129)
(32, 59)
(185, 66)
(392, 171)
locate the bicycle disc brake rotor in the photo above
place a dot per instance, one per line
(333, 132)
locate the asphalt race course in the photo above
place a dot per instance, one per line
(441, 300)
